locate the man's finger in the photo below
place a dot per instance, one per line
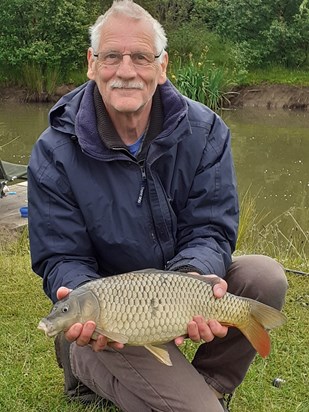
(62, 292)
(86, 333)
(217, 329)
(219, 290)
(179, 340)
(204, 331)
(99, 344)
(193, 331)
(73, 333)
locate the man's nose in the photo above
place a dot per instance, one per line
(126, 67)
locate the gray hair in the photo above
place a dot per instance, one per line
(130, 9)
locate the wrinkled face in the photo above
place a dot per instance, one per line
(126, 87)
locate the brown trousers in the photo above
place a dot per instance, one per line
(136, 382)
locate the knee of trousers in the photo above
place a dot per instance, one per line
(258, 277)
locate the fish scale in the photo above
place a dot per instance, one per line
(152, 307)
(180, 305)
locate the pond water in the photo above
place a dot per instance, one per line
(271, 151)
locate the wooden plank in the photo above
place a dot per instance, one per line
(10, 204)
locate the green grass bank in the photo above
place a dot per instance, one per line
(31, 381)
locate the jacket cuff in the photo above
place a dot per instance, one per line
(189, 268)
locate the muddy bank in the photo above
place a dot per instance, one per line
(264, 96)
(271, 97)
(21, 95)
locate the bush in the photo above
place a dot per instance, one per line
(42, 37)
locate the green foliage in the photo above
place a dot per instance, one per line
(201, 80)
(42, 42)
(170, 13)
(272, 31)
(45, 37)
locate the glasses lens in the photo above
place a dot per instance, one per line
(115, 58)
(142, 59)
(110, 59)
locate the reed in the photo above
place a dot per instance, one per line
(41, 82)
(250, 222)
(33, 79)
(283, 237)
(201, 80)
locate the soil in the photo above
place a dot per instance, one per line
(271, 97)
(263, 96)
(21, 95)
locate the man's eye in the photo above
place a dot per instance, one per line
(139, 57)
(112, 56)
(142, 59)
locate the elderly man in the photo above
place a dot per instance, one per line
(130, 174)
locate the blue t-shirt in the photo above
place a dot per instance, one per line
(134, 148)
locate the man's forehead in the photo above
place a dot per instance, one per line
(126, 32)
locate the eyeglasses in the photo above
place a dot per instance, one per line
(112, 58)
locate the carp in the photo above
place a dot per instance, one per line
(152, 307)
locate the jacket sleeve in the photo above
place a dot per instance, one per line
(61, 251)
(207, 225)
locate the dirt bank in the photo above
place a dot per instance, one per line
(272, 97)
(264, 96)
(18, 94)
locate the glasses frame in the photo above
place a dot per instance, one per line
(128, 54)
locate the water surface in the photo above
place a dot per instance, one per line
(271, 150)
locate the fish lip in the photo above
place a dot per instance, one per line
(47, 329)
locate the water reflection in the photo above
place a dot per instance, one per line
(270, 149)
(20, 126)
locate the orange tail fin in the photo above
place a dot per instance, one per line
(257, 336)
(262, 317)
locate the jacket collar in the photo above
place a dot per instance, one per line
(75, 114)
(108, 133)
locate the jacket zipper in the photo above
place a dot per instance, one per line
(142, 188)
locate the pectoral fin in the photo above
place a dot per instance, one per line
(113, 336)
(160, 353)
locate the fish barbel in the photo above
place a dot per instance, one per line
(152, 307)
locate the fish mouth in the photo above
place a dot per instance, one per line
(47, 329)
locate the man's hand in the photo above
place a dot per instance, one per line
(82, 333)
(200, 329)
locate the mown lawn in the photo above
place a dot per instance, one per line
(30, 379)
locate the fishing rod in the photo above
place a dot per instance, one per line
(296, 272)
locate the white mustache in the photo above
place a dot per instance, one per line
(119, 84)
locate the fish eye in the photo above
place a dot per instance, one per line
(65, 309)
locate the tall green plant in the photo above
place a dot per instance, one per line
(32, 78)
(250, 222)
(201, 80)
(283, 237)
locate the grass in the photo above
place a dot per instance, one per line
(31, 381)
(276, 75)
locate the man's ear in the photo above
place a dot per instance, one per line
(163, 64)
(91, 64)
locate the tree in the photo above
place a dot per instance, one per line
(43, 33)
(272, 31)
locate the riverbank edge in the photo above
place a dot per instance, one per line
(269, 96)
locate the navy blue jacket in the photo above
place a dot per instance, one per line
(95, 211)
